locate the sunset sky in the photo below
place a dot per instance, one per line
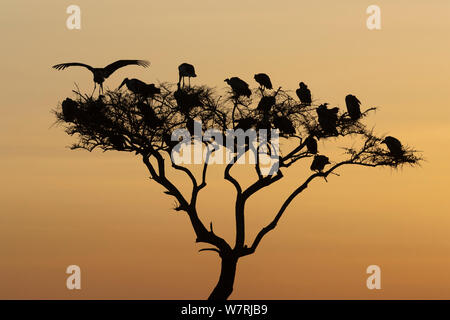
(101, 212)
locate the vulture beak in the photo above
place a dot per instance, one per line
(123, 82)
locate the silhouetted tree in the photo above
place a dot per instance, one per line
(123, 121)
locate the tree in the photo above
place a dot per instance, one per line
(143, 123)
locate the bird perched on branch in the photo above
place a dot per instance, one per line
(311, 144)
(283, 124)
(353, 109)
(263, 80)
(239, 87)
(245, 123)
(100, 74)
(328, 119)
(187, 101)
(394, 145)
(186, 70)
(140, 88)
(69, 110)
(319, 163)
(304, 94)
(266, 103)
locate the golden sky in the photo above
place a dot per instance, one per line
(100, 211)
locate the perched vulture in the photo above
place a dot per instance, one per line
(266, 103)
(245, 123)
(284, 125)
(394, 146)
(328, 119)
(319, 163)
(263, 80)
(239, 87)
(187, 101)
(69, 110)
(353, 109)
(304, 94)
(311, 144)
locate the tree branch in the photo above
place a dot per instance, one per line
(203, 235)
(291, 197)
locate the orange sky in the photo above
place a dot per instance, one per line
(99, 210)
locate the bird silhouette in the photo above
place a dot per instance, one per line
(266, 103)
(239, 87)
(100, 74)
(311, 144)
(92, 113)
(69, 110)
(187, 101)
(319, 163)
(283, 124)
(394, 145)
(140, 88)
(186, 70)
(263, 80)
(304, 94)
(328, 119)
(245, 123)
(353, 109)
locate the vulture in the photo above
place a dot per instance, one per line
(394, 146)
(100, 74)
(69, 110)
(93, 113)
(239, 87)
(284, 125)
(266, 103)
(311, 144)
(140, 88)
(186, 70)
(263, 80)
(319, 163)
(304, 94)
(245, 123)
(353, 109)
(187, 101)
(328, 119)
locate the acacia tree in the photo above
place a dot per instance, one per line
(142, 123)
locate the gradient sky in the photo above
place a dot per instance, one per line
(99, 210)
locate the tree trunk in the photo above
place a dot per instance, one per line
(224, 287)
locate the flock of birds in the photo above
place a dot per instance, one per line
(327, 118)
